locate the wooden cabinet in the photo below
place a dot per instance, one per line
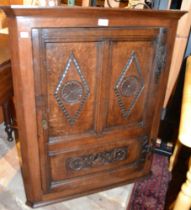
(89, 87)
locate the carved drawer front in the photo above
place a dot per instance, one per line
(93, 160)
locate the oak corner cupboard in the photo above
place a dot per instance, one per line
(89, 86)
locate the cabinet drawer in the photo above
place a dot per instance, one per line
(93, 158)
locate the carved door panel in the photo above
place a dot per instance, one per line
(133, 79)
(93, 89)
(129, 83)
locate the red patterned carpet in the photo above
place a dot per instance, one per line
(150, 193)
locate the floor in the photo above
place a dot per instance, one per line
(12, 196)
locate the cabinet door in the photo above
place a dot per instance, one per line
(94, 90)
(130, 80)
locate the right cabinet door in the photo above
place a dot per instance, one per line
(133, 73)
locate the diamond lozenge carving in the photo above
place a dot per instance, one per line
(72, 92)
(129, 85)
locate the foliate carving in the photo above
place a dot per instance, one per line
(129, 86)
(161, 53)
(72, 91)
(97, 159)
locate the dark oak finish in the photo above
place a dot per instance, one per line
(88, 97)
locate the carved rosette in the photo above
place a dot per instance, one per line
(97, 159)
(129, 86)
(72, 92)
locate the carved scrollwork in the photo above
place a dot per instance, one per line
(101, 158)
